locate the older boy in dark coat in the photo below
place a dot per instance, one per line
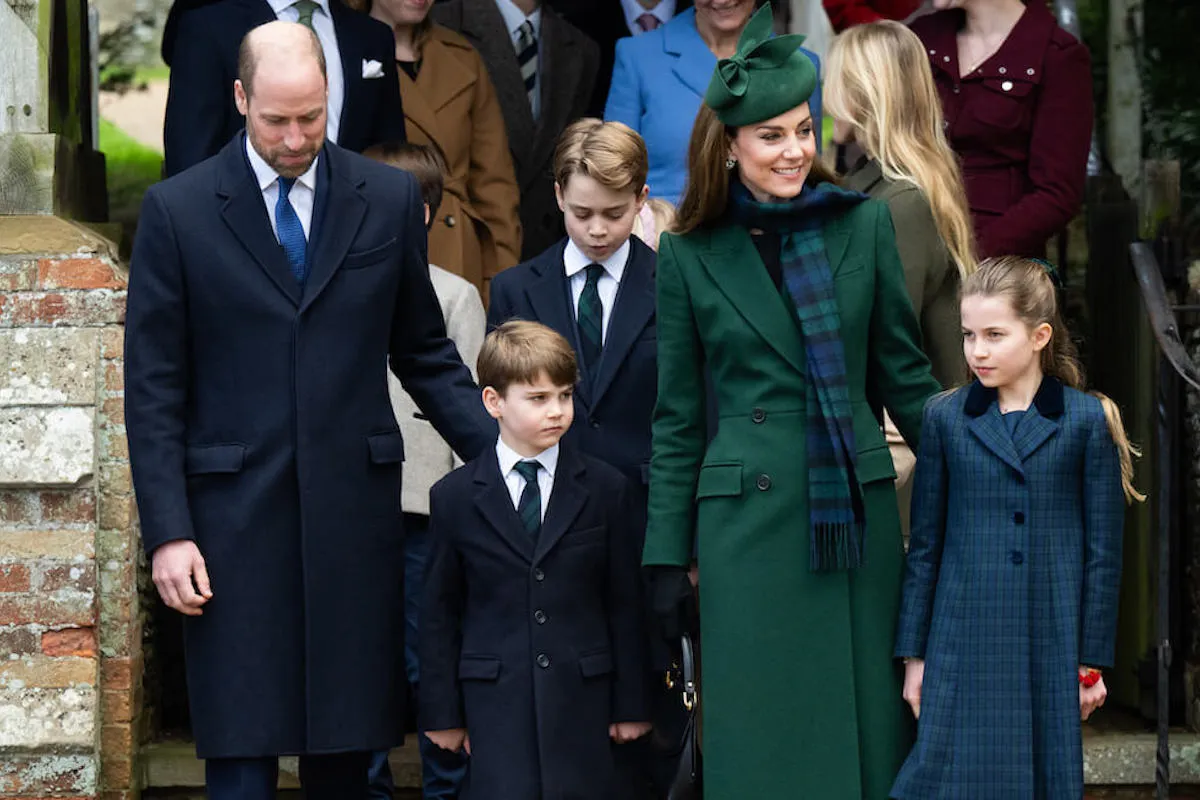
(531, 645)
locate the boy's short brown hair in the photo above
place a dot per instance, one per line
(425, 162)
(610, 153)
(519, 351)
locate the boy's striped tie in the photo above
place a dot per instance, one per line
(527, 60)
(591, 319)
(529, 507)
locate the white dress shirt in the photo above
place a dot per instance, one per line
(323, 26)
(633, 9)
(514, 18)
(576, 264)
(303, 195)
(508, 459)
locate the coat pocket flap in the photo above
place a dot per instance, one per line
(719, 480)
(214, 458)
(595, 664)
(875, 465)
(365, 258)
(386, 448)
(479, 668)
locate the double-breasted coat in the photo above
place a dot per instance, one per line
(259, 426)
(800, 693)
(1012, 582)
(535, 647)
(567, 64)
(477, 230)
(1022, 125)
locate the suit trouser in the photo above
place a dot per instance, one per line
(340, 776)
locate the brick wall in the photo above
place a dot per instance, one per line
(70, 629)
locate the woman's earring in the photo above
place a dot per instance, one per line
(730, 163)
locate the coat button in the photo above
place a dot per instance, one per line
(543, 661)
(539, 617)
(538, 575)
(763, 483)
(1003, 71)
(758, 416)
(957, 89)
(1019, 517)
(1017, 557)
(1006, 86)
(595, 424)
(450, 221)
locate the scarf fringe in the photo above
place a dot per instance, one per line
(835, 546)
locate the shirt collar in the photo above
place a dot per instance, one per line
(266, 176)
(575, 261)
(514, 17)
(508, 458)
(281, 5)
(633, 9)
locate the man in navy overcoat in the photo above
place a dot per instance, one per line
(268, 287)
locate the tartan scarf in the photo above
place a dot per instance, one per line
(835, 509)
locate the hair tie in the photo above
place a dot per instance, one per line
(1051, 271)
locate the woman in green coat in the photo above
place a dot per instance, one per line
(788, 293)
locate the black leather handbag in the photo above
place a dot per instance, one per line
(688, 783)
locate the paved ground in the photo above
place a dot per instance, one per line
(138, 113)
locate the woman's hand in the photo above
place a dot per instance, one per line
(452, 739)
(1091, 699)
(914, 677)
(672, 601)
(622, 732)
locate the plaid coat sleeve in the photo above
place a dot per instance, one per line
(928, 529)
(1103, 521)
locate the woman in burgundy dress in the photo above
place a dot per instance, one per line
(1016, 90)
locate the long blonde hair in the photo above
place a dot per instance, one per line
(1031, 293)
(879, 81)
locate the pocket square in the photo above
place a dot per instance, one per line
(372, 68)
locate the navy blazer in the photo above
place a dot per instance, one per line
(201, 45)
(534, 648)
(259, 426)
(613, 408)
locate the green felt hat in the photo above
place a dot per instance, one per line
(766, 77)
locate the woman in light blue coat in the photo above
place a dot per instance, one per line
(660, 78)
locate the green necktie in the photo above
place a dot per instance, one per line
(305, 9)
(591, 318)
(529, 507)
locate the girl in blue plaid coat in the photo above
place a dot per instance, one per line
(1010, 595)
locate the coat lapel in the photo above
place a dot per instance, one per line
(343, 208)
(246, 215)
(350, 51)
(550, 297)
(419, 112)
(694, 62)
(990, 429)
(632, 311)
(566, 501)
(1040, 423)
(1038, 427)
(496, 506)
(559, 76)
(442, 77)
(732, 262)
(837, 233)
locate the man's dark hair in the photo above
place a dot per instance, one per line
(425, 162)
(247, 61)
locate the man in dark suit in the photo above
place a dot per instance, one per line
(606, 21)
(200, 42)
(268, 286)
(544, 71)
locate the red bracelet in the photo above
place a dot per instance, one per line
(1089, 678)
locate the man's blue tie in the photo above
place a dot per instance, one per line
(290, 231)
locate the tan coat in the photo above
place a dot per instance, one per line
(427, 457)
(477, 231)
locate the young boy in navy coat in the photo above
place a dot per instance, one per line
(598, 283)
(531, 642)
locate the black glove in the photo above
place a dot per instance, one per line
(672, 602)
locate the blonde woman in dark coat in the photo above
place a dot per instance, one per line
(880, 92)
(449, 101)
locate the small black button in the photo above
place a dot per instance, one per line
(763, 483)
(539, 617)
(595, 425)
(538, 575)
(1019, 517)
(543, 661)
(758, 416)
(1017, 557)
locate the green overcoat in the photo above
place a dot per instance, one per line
(800, 693)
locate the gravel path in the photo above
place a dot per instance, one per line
(138, 113)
